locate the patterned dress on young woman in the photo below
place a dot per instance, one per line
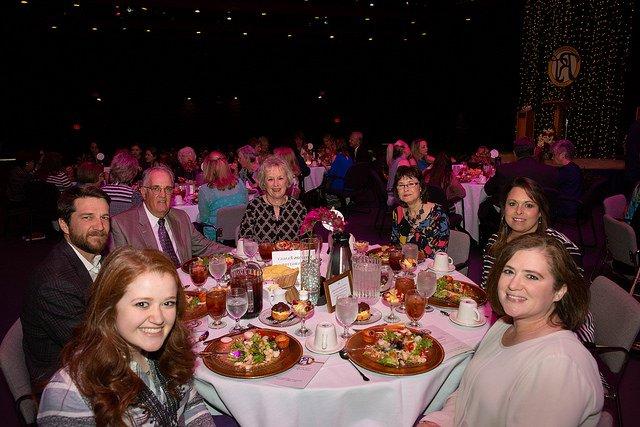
(431, 234)
(587, 330)
(260, 220)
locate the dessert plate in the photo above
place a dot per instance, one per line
(265, 317)
(375, 316)
(453, 316)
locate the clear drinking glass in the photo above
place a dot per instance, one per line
(198, 272)
(415, 303)
(426, 283)
(237, 305)
(216, 306)
(303, 309)
(410, 258)
(393, 301)
(250, 246)
(217, 267)
(346, 313)
(361, 247)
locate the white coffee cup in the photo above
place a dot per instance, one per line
(326, 336)
(277, 295)
(468, 311)
(442, 261)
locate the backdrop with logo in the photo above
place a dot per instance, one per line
(574, 58)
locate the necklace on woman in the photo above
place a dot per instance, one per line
(415, 220)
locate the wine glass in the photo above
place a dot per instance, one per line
(395, 259)
(427, 283)
(303, 309)
(415, 302)
(250, 246)
(346, 313)
(237, 305)
(198, 272)
(410, 259)
(217, 267)
(403, 285)
(216, 307)
(393, 300)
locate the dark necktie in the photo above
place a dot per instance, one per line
(165, 242)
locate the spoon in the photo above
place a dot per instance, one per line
(345, 356)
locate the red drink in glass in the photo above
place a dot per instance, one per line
(265, 249)
(395, 258)
(198, 272)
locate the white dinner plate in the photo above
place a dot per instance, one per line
(312, 347)
(453, 316)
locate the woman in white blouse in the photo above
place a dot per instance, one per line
(530, 368)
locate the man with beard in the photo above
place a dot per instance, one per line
(58, 289)
(155, 225)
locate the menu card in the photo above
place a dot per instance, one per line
(301, 374)
(452, 346)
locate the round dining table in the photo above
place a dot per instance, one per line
(314, 179)
(337, 395)
(475, 195)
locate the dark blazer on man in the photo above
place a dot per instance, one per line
(133, 228)
(545, 175)
(360, 154)
(55, 303)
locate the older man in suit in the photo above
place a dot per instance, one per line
(155, 225)
(58, 289)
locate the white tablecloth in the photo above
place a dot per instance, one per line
(337, 395)
(314, 180)
(475, 196)
(191, 210)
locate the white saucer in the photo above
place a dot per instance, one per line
(312, 347)
(453, 316)
(451, 269)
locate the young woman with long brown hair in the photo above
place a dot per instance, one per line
(130, 361)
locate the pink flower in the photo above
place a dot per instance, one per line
(323, 215)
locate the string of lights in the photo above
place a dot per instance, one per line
(600, 30)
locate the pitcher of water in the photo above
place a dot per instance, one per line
(366, 278)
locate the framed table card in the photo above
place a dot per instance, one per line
(337, 286)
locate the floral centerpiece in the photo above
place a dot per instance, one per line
(324, 215)
(543, 147)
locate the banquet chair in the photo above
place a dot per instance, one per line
(458, 250)
(15, 373)
(615, 206)
(616, 316)
(622, 254)
(229, 219)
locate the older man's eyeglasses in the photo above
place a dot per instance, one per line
(408, 186)
(156, 189)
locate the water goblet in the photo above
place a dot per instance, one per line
(415, 302)
(218, 267)
(346, 313)
(198, 272)
(237, 305)
(216, 306)
(250, 246)
(302, 309)
(427, 283)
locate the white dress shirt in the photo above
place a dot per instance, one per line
(94, 267)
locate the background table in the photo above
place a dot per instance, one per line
(314, 180)
(337, 395)
(475, 196)
(191, 210)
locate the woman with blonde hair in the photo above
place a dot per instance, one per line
(274, 215)
(130, 362)
(222, 189)
(420, 152)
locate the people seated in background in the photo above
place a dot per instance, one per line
(357, 150)
(273, 216)
(90, 173)
(123, 171)
(416, 220)
(398, 154)
(569, 178)
(58, 288)
(328, 150)
(130, 362)
(19, 176)
(52, 171)
(262, 147)
(525, 165)
(420, 152)
(223, 189)
(248, 159)
(338, 169)
(530, 369)
(441, 175)
(188, 169)
(525, 210)
(155, 225)
(136, 151)
(150, 157)
(297, 166)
